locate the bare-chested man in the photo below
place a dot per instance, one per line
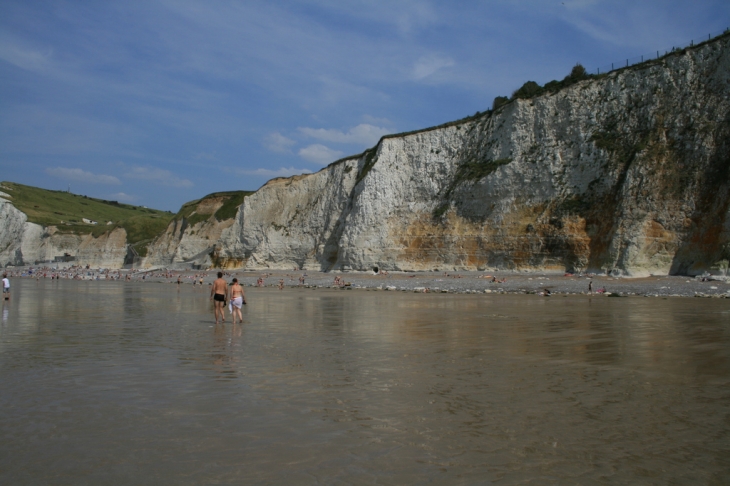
(218, 296)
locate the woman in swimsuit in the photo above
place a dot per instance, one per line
(238, 298)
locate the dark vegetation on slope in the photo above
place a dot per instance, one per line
(231, 201)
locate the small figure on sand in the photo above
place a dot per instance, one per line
(6, 286)
(590, 286)
(238, 299)
(218, 296)
(281, 284)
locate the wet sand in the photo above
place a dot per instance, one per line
(129, 383)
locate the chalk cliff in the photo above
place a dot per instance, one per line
(627, 173)
(191, 236)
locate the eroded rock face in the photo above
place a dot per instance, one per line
(183, 242)
(294, 222)
(629, 173)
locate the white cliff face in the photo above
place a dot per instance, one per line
(628, 173)
(105, 251)
(12, 229)
(292, 222)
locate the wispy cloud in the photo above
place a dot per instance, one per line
(159, 176)
(278, 143)
(428, 65)
(362, 134)
(374, 119)
(319, 154)
(281, 172)
(22, 55)
(205, 156)
(80, 175)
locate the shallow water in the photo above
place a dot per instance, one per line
(129, 383)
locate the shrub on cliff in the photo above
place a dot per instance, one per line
(578, 73)
(531, 89)
(499, 102)
(528, 90)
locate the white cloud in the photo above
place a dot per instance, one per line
(364, 134)
(281, 172)
(428, 65)
(319, 154)
(120, 196)
(161, 176)
(276, 142)
(81, 176)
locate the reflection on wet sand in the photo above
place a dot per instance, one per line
(122, 382)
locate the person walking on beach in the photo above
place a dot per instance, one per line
(6, 286)
(238, 299)
(218, 296)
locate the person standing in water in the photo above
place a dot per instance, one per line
(238, 299)
(218, 296)
(6, 287)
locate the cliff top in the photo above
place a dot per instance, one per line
(222, 205)
(68, 212)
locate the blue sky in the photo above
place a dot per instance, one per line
(159, 102)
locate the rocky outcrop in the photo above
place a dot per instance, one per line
(191, 236)
(627, 173)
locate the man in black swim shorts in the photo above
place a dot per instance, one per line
(218, 296)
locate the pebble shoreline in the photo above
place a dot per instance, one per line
(476, 282)
(435, 282)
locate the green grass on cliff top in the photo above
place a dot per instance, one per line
(66, 211)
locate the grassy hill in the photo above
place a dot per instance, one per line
(193, 213)
(67, 211)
